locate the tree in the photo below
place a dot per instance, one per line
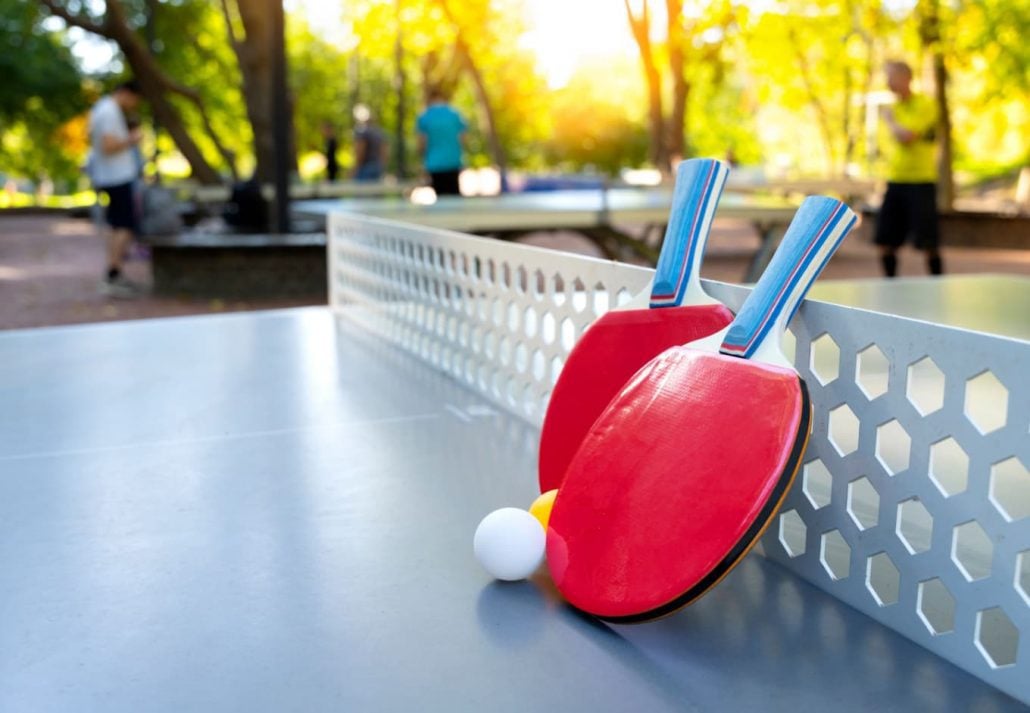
(463, 52)
(116, 23)
(691, 45)
(988, 61)
(833, 47)
(640, 25)
(594, 126)
(465, 48)
(928, 13)
(250, 30)
(189, 40)
(42, 93)
(984, 114)
(318, 76)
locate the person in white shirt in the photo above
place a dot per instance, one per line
(113, 169)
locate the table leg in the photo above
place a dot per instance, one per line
(613, 242)
(769, 235)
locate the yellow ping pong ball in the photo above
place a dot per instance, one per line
(541, 507)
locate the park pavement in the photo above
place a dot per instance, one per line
(50, 268)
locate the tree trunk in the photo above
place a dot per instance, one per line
(867, 85)
(849, 142)
(401, 87)
(154, 89)
(946, 179)
(488, 111)
(641, 27)
(254, 54)
(822, 115)
(930, 36)
(463, 52)
(680, 87)
(853, 130)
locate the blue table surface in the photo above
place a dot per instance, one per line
(993, 304)
(274, 512)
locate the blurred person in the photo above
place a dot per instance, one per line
(134, 124)
(332, 167)
(369, 146)
(441, 140)
(113, 168)
(910, 203)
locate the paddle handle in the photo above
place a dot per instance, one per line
(816, 231)
(699, 184)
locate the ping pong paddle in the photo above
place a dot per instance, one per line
(627, 337)
(681, 473)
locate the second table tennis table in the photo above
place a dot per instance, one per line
(603, 216)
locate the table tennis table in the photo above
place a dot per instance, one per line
(303, 191)
(273, 511)
(601, 215)
(847, 189)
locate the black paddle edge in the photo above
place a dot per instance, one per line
(749, 539)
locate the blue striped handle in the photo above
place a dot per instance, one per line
(699, 184)
(817, 230)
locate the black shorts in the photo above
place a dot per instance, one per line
(445, 183)
(121, 207)
(909, 209)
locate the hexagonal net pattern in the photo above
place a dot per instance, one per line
(925, 522)
(913, 504)
(499, 317)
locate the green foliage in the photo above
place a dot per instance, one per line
(42, 91)
(722, 123)
(36, 65)
(989, 61)
(191, 45)
(784, 85)
(598, 126)
(814, 60)
(319, 79)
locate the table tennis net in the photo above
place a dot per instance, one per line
(913, 503)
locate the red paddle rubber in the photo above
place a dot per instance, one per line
(603, 360)
(695, 461)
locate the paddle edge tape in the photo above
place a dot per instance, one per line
(750, 538)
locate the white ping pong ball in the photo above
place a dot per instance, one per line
(509, 544)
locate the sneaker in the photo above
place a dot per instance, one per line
(120, 287)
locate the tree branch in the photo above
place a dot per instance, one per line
(76, 20)
(639, 25)
(195, 99)
(115, 14)
(813, 95)
(233, 40)
(464, 53)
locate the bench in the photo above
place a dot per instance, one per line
(206, 263)
(972, 229)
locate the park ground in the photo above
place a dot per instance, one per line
(50, 267)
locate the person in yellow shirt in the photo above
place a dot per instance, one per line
(910, 204)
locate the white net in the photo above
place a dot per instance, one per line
(914, 498)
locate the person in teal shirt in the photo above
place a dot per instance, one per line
(441, 140)
(910, 204)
